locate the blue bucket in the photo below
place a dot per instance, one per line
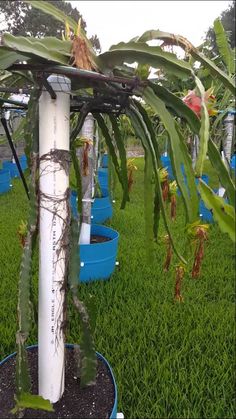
(205, 213)
(98, 260)
(101, 210)
(167, 164)
(101, 207)
(5, 181)
(73, 203)
(233, 165)
(99, 356)
(103, 177)
(104, 162)
(23, 162)
(12, 167)
(205, 178)
(233, 162)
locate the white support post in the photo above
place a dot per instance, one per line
(98, 155)
(87, 131)
(229, 135)
(54, 132)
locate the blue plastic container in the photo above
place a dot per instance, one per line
(113, 414)
(98, 261)
(103, 177)
(104, 162)
(73, 203)
(101, 210)
(101, 207)
(205, 179)
(205, 213)
(5, 181)
(167, 164)
(23, 162)
(233, 162)
(12, 167)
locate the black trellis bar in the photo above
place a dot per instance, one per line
(49, 88)
(4, 123)
(76, 72)
(98, 104)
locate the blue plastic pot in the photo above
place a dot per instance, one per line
(99, 356)
(12, 167)
(205, 178)
(103, 177)
(233, 162)
(5, 181)
(167, 164)
(206, 214)
(23, 162)
(98, 261)
(73, 203)
(104, 162)
(101, 208)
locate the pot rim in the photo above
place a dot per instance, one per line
(71, 346)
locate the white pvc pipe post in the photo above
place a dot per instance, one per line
(228, 138)
(87, 131)
(54, 131)
(95, 159)
(96, 151)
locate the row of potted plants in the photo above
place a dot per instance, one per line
(82, 84)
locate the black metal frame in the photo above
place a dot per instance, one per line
(8, 135)
(113, 99)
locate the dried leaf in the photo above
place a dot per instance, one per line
(81, 54)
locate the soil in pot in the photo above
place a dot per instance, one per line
(99, 239)
(91, 402)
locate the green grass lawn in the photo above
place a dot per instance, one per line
(170, 360)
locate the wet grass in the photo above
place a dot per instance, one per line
(170, 360)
